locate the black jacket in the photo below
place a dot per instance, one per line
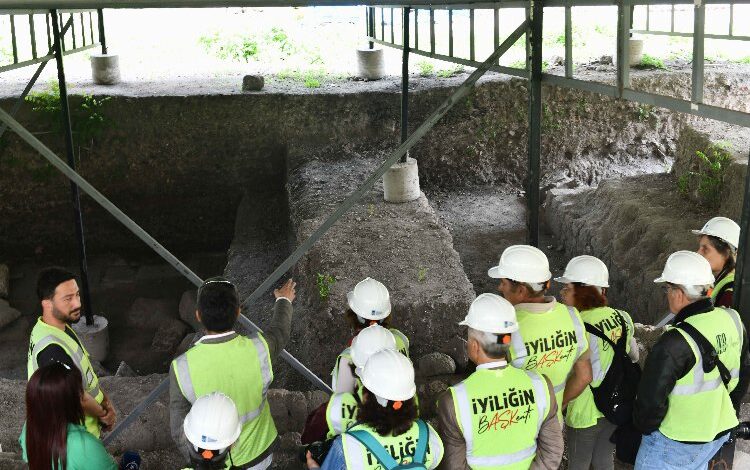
(669, 360)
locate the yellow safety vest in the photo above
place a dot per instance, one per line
(44, 335)
(723, 282)
(341, 412)
(699, 404)
(550, 342)
(500, 412)
(401, 448)
(582, 411)
(239, 367)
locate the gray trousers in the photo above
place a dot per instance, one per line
(590, 447)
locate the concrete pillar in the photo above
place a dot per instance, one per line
(105, 68)
(370, 64)
(636, 51)
(401, 182)
(95, 338)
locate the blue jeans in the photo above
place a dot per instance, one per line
(659, 452)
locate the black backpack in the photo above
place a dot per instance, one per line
(615, 396)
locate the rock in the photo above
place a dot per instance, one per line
(100, 370)
(125, 370)
(289, 409)
(601, 68)
(169, 335)
(187, 343)
(456, 349)
(436, 363)
(151, 313)
(645, 337)
(557, 60)
(187, 309)
(4, 281)
(252, 83)
(8, 314)
(606, 60)
(315, 399)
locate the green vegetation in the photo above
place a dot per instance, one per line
(450, 71)
(706, 178)
(325, 282)
(425, 68)
(236, 48)
(518, 64)
(651, 62)
(646, 113)
(422, 273)
(370, 210)
(744, 60)
(309, 78)
(550, 120)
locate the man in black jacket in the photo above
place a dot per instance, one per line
(683, 407)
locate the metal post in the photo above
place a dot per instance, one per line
(450, 32)
(568, 42)
(624, 20)
(471, 34)
(405, 83)
(698, 39)
(32, 33)
(432, 31)
(102, 36)
(741, 296)
(535, 120)
(496, 29)
(13, 43)
(74, 191)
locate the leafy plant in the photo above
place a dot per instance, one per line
(324, 282)
(425, 68)
(309, 78)
(707, 178)
(370, 210)
(645, 113)
(422, 274)
(549, 120)
(651, 62)
(518, 64)
(237, 48)
(451, 71)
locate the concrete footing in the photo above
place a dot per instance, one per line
(636, 51)
(401, 182)
(370, 64)
(105, 68)
(95, 338)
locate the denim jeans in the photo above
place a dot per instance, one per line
(659, 452)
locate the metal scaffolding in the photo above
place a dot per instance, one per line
(532, 28)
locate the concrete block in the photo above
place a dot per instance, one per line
(636, 51)
(8, 314)
(252, 82)
(401, 182)
(95, 338)
(4, 281)
(105, 68)
(151, 313)
(370, 64)
(187, 309)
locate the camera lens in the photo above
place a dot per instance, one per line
(743, 430)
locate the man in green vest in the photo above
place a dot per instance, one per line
(235, 365)
(53, 340)
(500, 416)
(686, 404)
(551, 337)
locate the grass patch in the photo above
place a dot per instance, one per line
(426, 69)
(651, 62)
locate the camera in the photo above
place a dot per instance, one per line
(318, 449)
(742, 431)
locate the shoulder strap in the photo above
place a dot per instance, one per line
(623, 341)
(599, 333)
(372, 444)
(710, 357)
(420, 454)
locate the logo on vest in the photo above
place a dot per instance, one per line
(721, 343)
(548, 351)
(499, 412)
(348, 411)
(612, 328)
(402, 452)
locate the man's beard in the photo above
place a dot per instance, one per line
(69, 318)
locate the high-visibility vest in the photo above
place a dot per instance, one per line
(550, 342)
(400, 447)
(239, 367)
(582, 411)
(44, 335)
(341, 412)
(500, 413)
(699, 404)
(723, 282)
(402, 344)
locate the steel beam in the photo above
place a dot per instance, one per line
(568, 42)
(535, 121)
(623, 48)
(405, 81)
(75, 193)
(102, 35)
(699, 26)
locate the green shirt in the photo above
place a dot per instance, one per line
(85, 452)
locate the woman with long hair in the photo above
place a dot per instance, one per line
(717, 242)
(53, 437)
(388, 431)
(586, 280)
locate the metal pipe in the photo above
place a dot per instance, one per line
(535, 120)
(568, 42)
(32, 33)
(471, 34)
(13, 43)
(102, 35)
(74, 191)
(405, 82)
(623, 48)
(698, 42)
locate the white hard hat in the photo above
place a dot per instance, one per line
(587, 270)
(522, 263)
(686, 268)
(370, 299)
(370, 340)
(723, 228)
(390, 376)
(213, 422)
(492, 314)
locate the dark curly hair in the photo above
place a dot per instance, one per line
(386, 420)
(587, 297)
(351, 318)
